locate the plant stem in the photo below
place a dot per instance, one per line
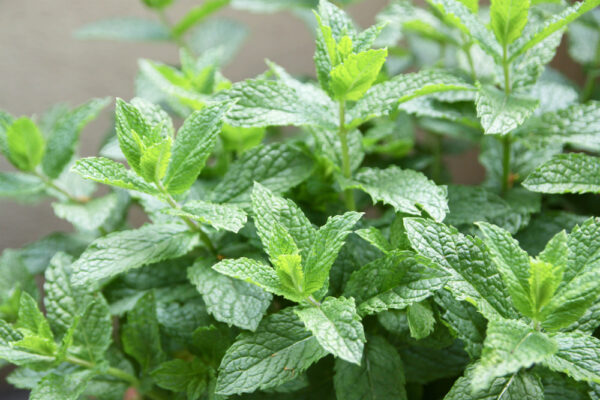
(188, 221)
(346, 168)
(436, 167)
(591, 76)
(506, 66)
(50, 183)
(467, 51)
(115, 372)
(313, 301)
(506, 140)
(176, 38)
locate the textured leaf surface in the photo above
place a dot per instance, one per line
(407, 191)
(578, 356)
(112, 173)
(379, 376)
(351, 79)
(279, 350)
(219, 216)
(337, 327)
(395, 281)
(25, 144)
(473, 277)
(508, 18)
(566, 173)
(62, 387)
(230, 300)
(88, 216)
(121, 251)
(501, 114)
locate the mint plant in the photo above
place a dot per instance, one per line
(304, 238)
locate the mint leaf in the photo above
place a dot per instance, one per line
(325, 247)
(337, 327)
(64, 135)
(229, 300)
(118, 252)
(25, 144)
(379, 376)
(189, 377)
(577, 356)
(112, 173)
(219, 216)
(141, 334)
(509, 346)
(196, 15)
(395, 281)
(351, 79)
(375, 237)
(421, 320)
(124, 28)
(193, 144)
(9, 350)
(279, 167)
(473, 277)
(566, 173)
(91, 215)
(279, 350)
(508, 18)
(513, 264)
(406, 190)
(19, 185)
(500, 114)
(62, 387)
(30, 320)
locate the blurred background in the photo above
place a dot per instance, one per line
(41, 64)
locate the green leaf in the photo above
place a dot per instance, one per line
(279, 167)
(325, 248)
(219, 216)
(395, 281)
(523, 385)
(158, 4)
(30, 320)
(500, 114)
(351, 79)
(196, 15)
(25, 144)
(566, 173)
(271, 210)
(261, 103)
(279, 350)
(513, 264)
(193, 144)
(124, 28)
(407, 191)
(112, 173)
(379, 376)
(10, 352)
(470, 24)
(421, 320)
(93, 334)
(578, 356)
(384, 98)
(14, 279)
(190, 377)
(229, 300)
(509, 346)
(122, 251)
(375, 237)
(336, 325)
(508, 18)
(62, 387)
(64, 135)
(91, 215)
(552, 25)
(155, 160)
(19, 185)
(473, 277)
(141, 335)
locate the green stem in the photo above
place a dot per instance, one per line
(436, 167)
(176, 38)
(506, 66)
(467, 51)
(506, 140)
(115, 372)
(346, 167)
(313, 301)
(592, 74)
(50, 183)
(188, 221)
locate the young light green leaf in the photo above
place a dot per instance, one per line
(325, 248)
(124, 28)
(155, 160)
(513, 264)
(279, 167)
(337, 327)
(279, 350)
(578, 356)
(193, 144)
(508, 18)
(25, 144)
(500, 114)
(118, 252)
(196, 15)
(351, 79)
(10, 352)
(31, 320)
(219, 216)
(473, 277)
(395, 281)
(141, 334)
(379, 376)
(509, 346)
(406, 190)
(376, 238)
(421, 320)
(566, 173)
(230, 300)
(112, 173)
(64, 135)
